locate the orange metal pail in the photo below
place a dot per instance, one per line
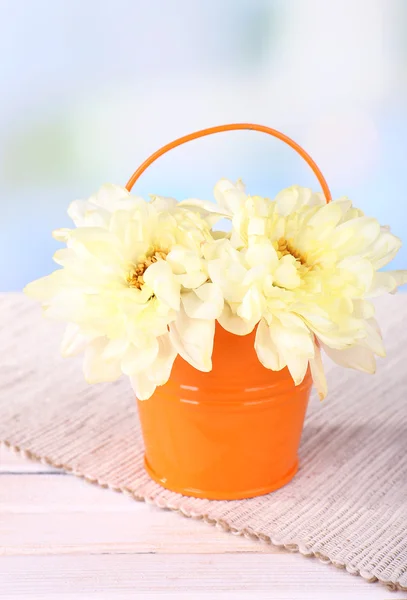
(228, 434)
(233, 432)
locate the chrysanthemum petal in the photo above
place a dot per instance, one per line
(108, 196)
(115, 349)
(361, 274)
(211, 212)
(262, 253)
(160, 279)
(193, 339)
(318, 373)
(355, 357)
(73, 341)
(159, 372)
(229, 196)
(62, 234)
(267, 352)
(297, 364)
(42, 289)
(137, 359)
(384, 248)
(355, 236)
(362, 309)
(400, 278)
(228, 276)
(373, 338)
(328, 217)
(294, 198)
(231, 322)
(163, 203)
(286, 274)
(95, 368)
(191, 280)
(142, 386)
(253, 305)
(183, 260)
(205, 302)
(383, 282)
(86, 214)
(288, 200)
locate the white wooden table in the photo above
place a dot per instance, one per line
(61, 538)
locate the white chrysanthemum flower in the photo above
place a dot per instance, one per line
(303, 270)
(133, 287)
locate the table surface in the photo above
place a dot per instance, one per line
(62, 538)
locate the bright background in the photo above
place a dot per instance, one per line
(89, 88)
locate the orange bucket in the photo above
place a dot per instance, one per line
(228, 434)
(233, 432)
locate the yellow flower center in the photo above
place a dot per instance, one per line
(285, 247)
(135, 277)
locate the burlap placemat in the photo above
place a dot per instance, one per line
(347, 505)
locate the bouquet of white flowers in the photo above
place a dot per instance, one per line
(141, 282)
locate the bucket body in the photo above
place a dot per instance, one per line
(228, 434)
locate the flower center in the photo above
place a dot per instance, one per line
(284, 247)
(135, 277)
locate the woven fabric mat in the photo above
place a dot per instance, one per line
(347, 505)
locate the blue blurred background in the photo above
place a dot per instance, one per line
(89, 88)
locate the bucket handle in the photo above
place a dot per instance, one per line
(233, 127)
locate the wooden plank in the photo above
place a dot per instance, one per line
(63, 538)
(45, 514)
(12, 462)
(48, 493)
(197, 577)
